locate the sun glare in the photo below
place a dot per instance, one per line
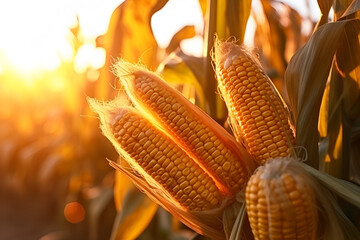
(89, 56)
(36, 36)
(175, 15)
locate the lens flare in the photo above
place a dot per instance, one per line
(74, 212)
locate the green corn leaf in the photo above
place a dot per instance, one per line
(306, 76)
(346, 190)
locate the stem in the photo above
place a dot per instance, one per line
(215, 108)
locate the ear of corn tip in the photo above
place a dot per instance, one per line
(257, 112)
(207, 142)
(281, 202)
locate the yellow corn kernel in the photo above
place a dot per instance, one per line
(207, 142)
(281, 202)
(161, 159)
(257, 112)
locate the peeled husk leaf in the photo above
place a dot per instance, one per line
(134, 209)
(205, 223)
(236, 223)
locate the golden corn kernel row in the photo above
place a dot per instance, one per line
(256, 107)
(177, 116)
(281, 205)
(165, 162)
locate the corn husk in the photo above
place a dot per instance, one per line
(207, 222)
(127, 72)
(223, 55)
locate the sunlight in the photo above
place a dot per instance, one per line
(175, 15)
(36, 34)
(37, 37)
(89, 56)
(193, 46)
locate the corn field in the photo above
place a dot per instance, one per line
(254, 136)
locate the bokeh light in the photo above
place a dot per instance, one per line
(74, 212)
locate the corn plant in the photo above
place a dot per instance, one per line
(300, 133)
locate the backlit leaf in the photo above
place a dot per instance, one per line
(129, 36)
(231, 18)
(136, 213)
(180, 68)
(237, 14)
(184, 33)
(340, 103)
(203, 5)
(340, 7)
(325, 6)
(331, 127)
(348, 64)
(276, 38)
(122, 186)
(279, 36)
(352, 9)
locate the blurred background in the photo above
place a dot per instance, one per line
(55, 181)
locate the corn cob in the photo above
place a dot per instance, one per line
(161, 159)
(281, 202)
(212, 147)
(257, 112)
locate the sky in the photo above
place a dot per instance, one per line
(35, 34)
